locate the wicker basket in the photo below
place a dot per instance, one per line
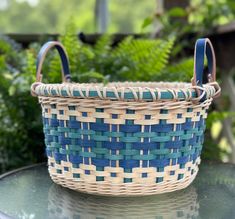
(125, 139)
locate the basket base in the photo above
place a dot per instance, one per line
(123, 189)
(105, 189)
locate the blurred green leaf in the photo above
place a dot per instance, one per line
(92, 77)
(147, 21)
(218, 116)
(177, 12)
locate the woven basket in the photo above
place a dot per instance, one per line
(125, 139)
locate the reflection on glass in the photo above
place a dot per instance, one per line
(64, 203)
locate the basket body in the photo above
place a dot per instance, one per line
(123, 148)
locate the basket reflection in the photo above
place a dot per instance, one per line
(64, 203)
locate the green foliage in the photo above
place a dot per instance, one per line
(19, 112)
(141, 59)
(147, 21)
(218, 116)
(200, 15)
(198, 19)
(212, 150)
(177, 12)
(204, 15)
(181, 71)
(132, 59)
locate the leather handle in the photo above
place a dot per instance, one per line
(63, 57)
(203, 47)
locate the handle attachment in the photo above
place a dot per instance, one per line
(203, 47)
(63, 56)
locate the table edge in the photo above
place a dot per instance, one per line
(20, 169)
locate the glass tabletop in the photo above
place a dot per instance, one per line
(30, 194)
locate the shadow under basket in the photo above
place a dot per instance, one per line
(125, 139)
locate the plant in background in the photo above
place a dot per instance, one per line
(132, 59)
(213, 149)
(19, 117)
(199, 18)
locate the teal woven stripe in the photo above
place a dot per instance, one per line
(115, 134)
(99, 138)
(173, 155)
(128, 152)
(105, 136)
(153, 136)
(161, 139)
(54, 145)
(63, 129)
(145, 134)
(113, 157)
(160, 151)
(128, 95)
(87, 154)
(144, 157)
(75, 147)
(129, 139)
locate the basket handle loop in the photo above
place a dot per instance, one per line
(63, 57)
(203, 47)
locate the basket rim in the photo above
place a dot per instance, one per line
(127, 91)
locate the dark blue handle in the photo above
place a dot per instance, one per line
(63, 56)
(203, 47)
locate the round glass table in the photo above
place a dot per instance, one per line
(29, 193)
